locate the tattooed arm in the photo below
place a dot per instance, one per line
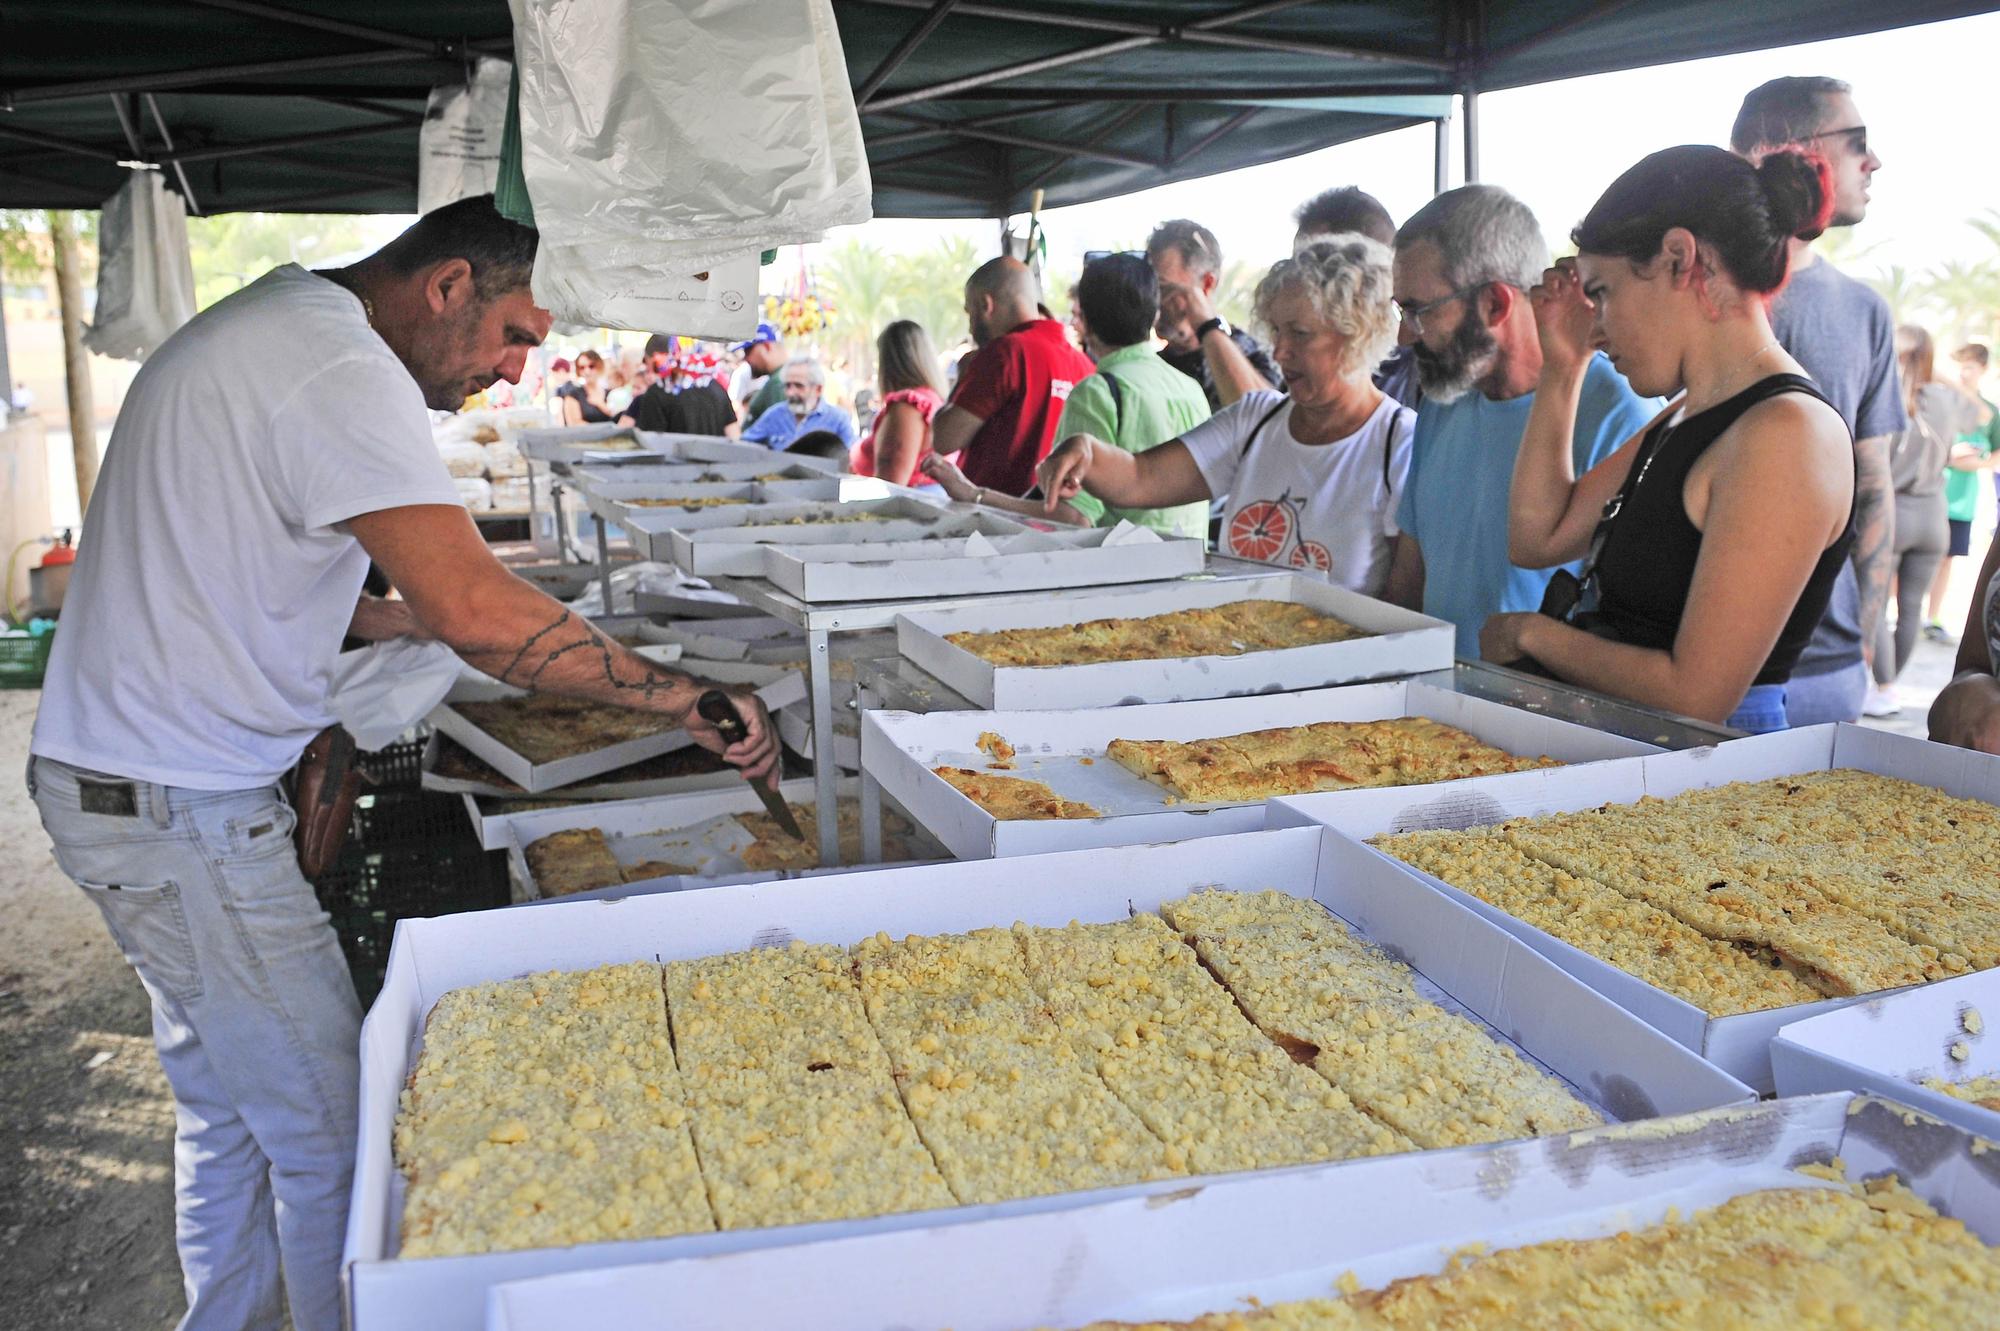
(1874, 534)
(465, 598)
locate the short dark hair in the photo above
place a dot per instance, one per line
(1195, 243)
(1975, 352)
(1783, 111)
(819, 444)
(1120, 298)
(660, 344)
(1346, 208)
(502, 253)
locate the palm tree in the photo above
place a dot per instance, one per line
(861, 281)
(1967, 295)
(930, 288)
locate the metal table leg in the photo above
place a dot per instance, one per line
(534, 532)
(603, 562)
(562, 528)
(871, 796)
(826, 772)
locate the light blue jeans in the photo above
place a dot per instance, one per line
(256, 1024)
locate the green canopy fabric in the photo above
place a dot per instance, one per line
(968, 106)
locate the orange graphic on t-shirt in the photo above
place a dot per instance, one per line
(1312, 555)
(1260, 530)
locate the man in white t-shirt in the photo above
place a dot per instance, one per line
(263, 455)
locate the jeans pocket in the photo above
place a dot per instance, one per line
(150, 927)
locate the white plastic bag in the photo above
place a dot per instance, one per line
(145, 279)
(458, 145)
(383, 689)
(660, 140)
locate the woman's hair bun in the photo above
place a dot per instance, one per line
(1799, 187)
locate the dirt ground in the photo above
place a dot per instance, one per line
(86, 1123)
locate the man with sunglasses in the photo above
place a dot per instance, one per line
(1844, 335)
(1464, 264)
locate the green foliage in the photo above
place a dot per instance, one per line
(232, 250)
(871, 289)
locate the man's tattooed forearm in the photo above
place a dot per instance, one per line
(590, 647)
(533, 639)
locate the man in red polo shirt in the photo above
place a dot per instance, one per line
(1011, 391)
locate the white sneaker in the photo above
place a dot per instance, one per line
(1880, 702)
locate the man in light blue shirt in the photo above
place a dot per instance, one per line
(1464, 264)
(803, 409)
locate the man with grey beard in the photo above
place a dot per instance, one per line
(1464, 264)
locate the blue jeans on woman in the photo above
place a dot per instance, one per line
(1761, 711)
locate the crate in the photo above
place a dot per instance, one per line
(400, 766)
(391, 818)
(24, 658)
(369, 889)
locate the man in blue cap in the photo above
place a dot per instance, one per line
(759, 387)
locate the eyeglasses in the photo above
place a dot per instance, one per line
(1092, 256)
(1860, 133)
(1413, 315)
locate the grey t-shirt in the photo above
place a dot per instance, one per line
(1845, 337)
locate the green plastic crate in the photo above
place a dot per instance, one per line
(24, 658)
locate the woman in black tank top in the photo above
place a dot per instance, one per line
(1711, 541)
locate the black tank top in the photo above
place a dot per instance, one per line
(1647, 564)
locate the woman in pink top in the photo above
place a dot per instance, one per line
(907, 370)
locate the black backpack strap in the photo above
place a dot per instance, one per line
(1117, 401)
(1258, 428)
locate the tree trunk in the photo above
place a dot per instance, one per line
(76, 360)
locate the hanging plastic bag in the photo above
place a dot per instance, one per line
(145, 279)
(458, 146)
(381, 690)
(661, 140)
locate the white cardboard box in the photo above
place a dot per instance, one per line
(689, 828)
(690, 473)
(1404, 643)
(1741, 1043)
(900, 749)
(618, 503)
(1889, 1046)
(1631, 1071)
(737, 547)
(1271, 1237)
(651, 533)
(778, 688)
(596, 790)
(1029, 561)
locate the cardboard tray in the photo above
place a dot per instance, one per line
(617, 503)
(900, 749)
(1405, 643)
(679, 828)
(590, 790)
(1740, 1044)
(652, 533)
(1030, 561)
(1631, 1070)
(691, 473)
(1271, 1237)
(1888, 1046)
(736, 546)
(778, 688)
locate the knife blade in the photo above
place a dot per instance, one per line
(715, 708)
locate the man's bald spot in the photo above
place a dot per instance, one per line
(1010, 282)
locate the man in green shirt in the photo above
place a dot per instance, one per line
(1135, 400)
(1975, 450)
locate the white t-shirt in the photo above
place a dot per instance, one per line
(212, 585)
(1325, 508)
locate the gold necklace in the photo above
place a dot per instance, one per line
(368, 309)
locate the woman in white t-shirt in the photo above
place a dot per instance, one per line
(1313, 475)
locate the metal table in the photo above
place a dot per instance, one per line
(821, 619)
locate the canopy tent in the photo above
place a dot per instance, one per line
(969, 106)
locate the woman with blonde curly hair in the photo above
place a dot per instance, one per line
(1312, 474)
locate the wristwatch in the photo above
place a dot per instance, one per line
(1216, 324)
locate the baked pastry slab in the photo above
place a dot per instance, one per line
(1981, 1091)
(1223, 630)
(1787, 1259)
(545, 1112)
(1012, 797)
(1432, 1075)
(775, 848)
(1005, 1103)
(1324, 755)
(1177, 1051)
(795, 1114)
(544, 728)
(576, 859)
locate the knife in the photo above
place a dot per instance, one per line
(716, 709)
